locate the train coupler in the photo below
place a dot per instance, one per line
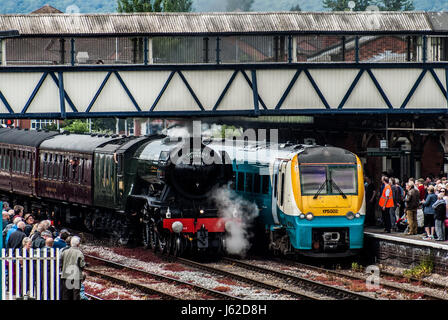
(202, 236)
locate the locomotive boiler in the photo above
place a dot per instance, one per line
(173, 199)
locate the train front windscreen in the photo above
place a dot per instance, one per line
(320, 179)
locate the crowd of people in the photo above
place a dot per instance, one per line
(23, 231)
(403, 206)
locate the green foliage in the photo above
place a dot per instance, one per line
(77, 126)
(396, 5)
(239, 5)
(101, 6)
(342, 5)
(295, 8)
(357, 267)
(424, 269)
(154, 5)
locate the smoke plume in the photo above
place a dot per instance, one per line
(240, 215)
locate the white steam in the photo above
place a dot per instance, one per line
(239, 215)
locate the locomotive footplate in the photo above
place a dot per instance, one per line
(330, 240)
(202, 236)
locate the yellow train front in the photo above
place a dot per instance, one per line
(320, 205)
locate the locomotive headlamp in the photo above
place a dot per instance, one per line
(357, 215)
(177, 226)
(201, 211)
(309, 216)
(228, 226)
(350, 215)
(302, 216)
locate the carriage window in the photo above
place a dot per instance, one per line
(257, 183)
(23, 162)
(61, 167)
(240, 184)
(249, 182)
(15, 160)
(344, 178)
(50, 166)
(312, 178)
(28, 162)
(45, 165)
(8, 160)
(265, 184)
(56, 165)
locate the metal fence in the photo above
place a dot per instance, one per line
(30, 274)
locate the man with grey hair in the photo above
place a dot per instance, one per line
(39, 241)
(16, 238)
(72, 262)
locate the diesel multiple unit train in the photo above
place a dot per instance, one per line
(157, 190)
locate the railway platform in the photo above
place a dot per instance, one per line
(405, 251)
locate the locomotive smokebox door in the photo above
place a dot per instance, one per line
(202, 238)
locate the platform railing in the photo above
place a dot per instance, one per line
(30, 274)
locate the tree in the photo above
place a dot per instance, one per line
(154, 5)
(139, 6)
(342, 5)
(239, 5)
(396, 5)
(77, 126)
(295, 8)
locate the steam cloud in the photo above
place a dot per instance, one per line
(230, 206)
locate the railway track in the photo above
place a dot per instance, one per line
(383, 282)
(92, 297)
(295, 286)
(158, 277)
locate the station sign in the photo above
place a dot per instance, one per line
(379, 152)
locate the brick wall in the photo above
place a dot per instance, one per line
(432, 157)
(379, 45)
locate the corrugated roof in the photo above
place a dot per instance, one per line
(215, 23)
(19, 137)
(75, 143)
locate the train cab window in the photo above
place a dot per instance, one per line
(119, 163)
(257, 183)
(240, 182)
(344, 179)
(249, 182)
(313, 178)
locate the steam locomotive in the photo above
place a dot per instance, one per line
(124, 186)
(158, 190)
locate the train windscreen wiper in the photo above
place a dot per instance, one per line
(338, 189)
(320, 188)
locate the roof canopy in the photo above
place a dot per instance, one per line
(160, 24)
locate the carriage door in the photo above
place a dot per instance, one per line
(281, 185)
(274, 193)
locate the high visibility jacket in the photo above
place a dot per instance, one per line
(390, 202)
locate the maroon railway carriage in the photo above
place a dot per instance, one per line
(19, 159)
(66, 170)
